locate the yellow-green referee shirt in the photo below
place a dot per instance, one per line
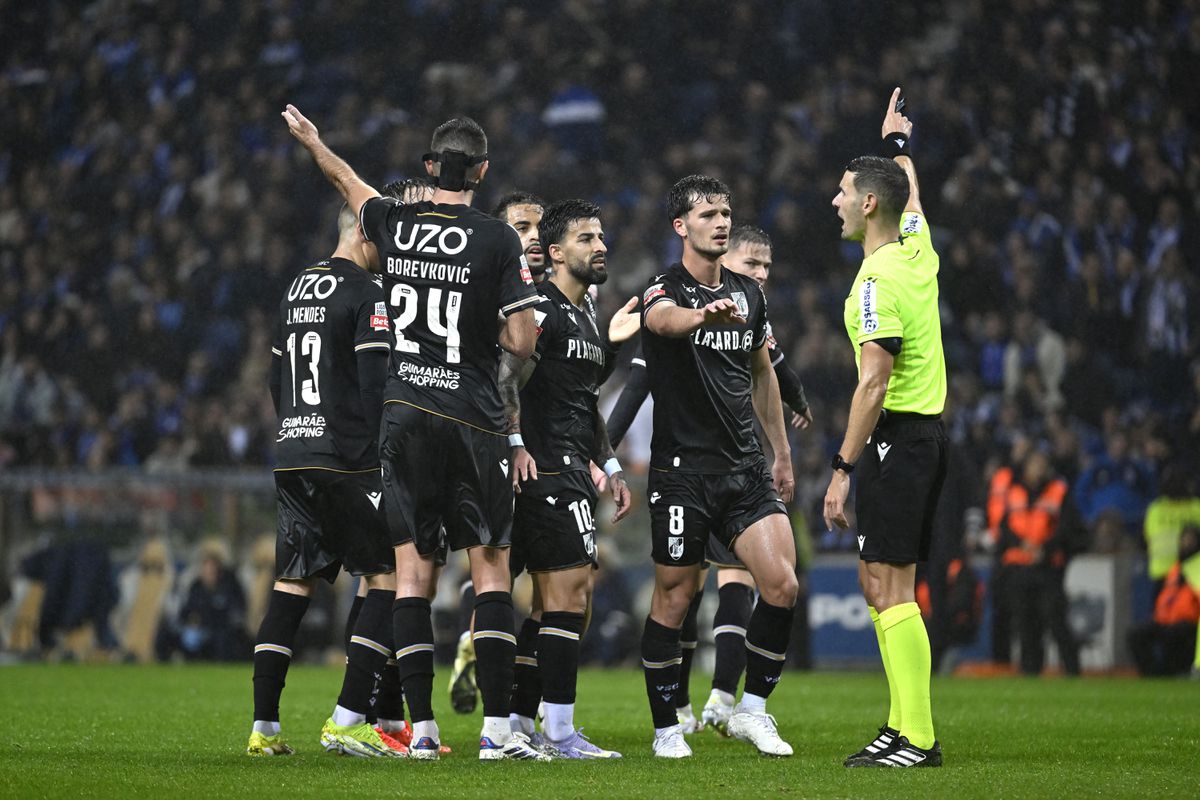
(896, 295)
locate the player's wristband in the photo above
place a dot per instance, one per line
(612, 466)
(896, 144)
(515, 440)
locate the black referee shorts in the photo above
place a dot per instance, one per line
(687, 509)
(445, 483)
(328, 520)
(900, 477)
(554, 525)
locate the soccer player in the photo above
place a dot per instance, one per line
(749, 254)
(449, 273)
(327, 375)
(554, 531)
(892, 319)
(704, 330)
(523, 211)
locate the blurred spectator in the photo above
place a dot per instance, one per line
(1116, 481)
(211, 625)
(1167, 644)
(1029, 504)
(1175, 508)
(80, 590)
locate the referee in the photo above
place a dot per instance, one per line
(894, 435)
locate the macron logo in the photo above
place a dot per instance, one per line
(551, 500)
(375, 497)
(861, 540)
(504, 466)
(883, 450)
(654, 497)
(900, 143)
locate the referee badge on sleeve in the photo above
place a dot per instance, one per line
(867, 302)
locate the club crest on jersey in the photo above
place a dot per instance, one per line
(589, 544)
(379, 320)
(675, 547)
(743, 306)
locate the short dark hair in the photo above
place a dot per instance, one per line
(748, 234)
(401, 189)
(462, 134)
(882, 177)
(688, 191)
(560, 215)
(516, 199)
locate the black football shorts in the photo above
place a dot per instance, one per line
(687, 508)
(554, 524)
(329, 520)
(900, 477)
(720, 556)
(444, 482)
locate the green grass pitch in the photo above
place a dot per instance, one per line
(176, 732)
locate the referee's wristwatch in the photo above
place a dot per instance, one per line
(841, 463)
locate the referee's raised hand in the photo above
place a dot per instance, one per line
(893, 120)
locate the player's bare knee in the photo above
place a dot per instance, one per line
(781, 591)
(302, 587)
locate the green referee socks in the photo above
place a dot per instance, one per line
(893, 693)
(908, 655)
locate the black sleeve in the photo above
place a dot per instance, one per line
(637, 386)
(372, 373)
(275, 379)
(791, 390)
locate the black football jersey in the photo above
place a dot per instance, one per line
(558, 403)
(701, 383)
(449, 271)
(330, 311)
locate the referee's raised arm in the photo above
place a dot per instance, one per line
(897, 130)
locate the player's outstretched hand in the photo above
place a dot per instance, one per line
(893, 120)
(625, 323)
(523, 468)
(835, 500)
(599, 479)
(722, 312)
(620, 495)
(299, 125)
(802, 421)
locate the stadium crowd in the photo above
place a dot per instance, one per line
(152, 205)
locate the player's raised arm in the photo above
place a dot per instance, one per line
(340, 174)
(896, 132)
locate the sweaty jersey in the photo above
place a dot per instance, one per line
(701, 383)
(449, 271)
(895, 295)
(558, 404)
(331, 310)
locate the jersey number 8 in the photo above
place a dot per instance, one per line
(406, 300)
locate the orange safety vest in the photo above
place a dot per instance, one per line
(997, 496)
(1033, 521)
(1177, 603)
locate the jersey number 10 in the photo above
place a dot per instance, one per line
(406, 300)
